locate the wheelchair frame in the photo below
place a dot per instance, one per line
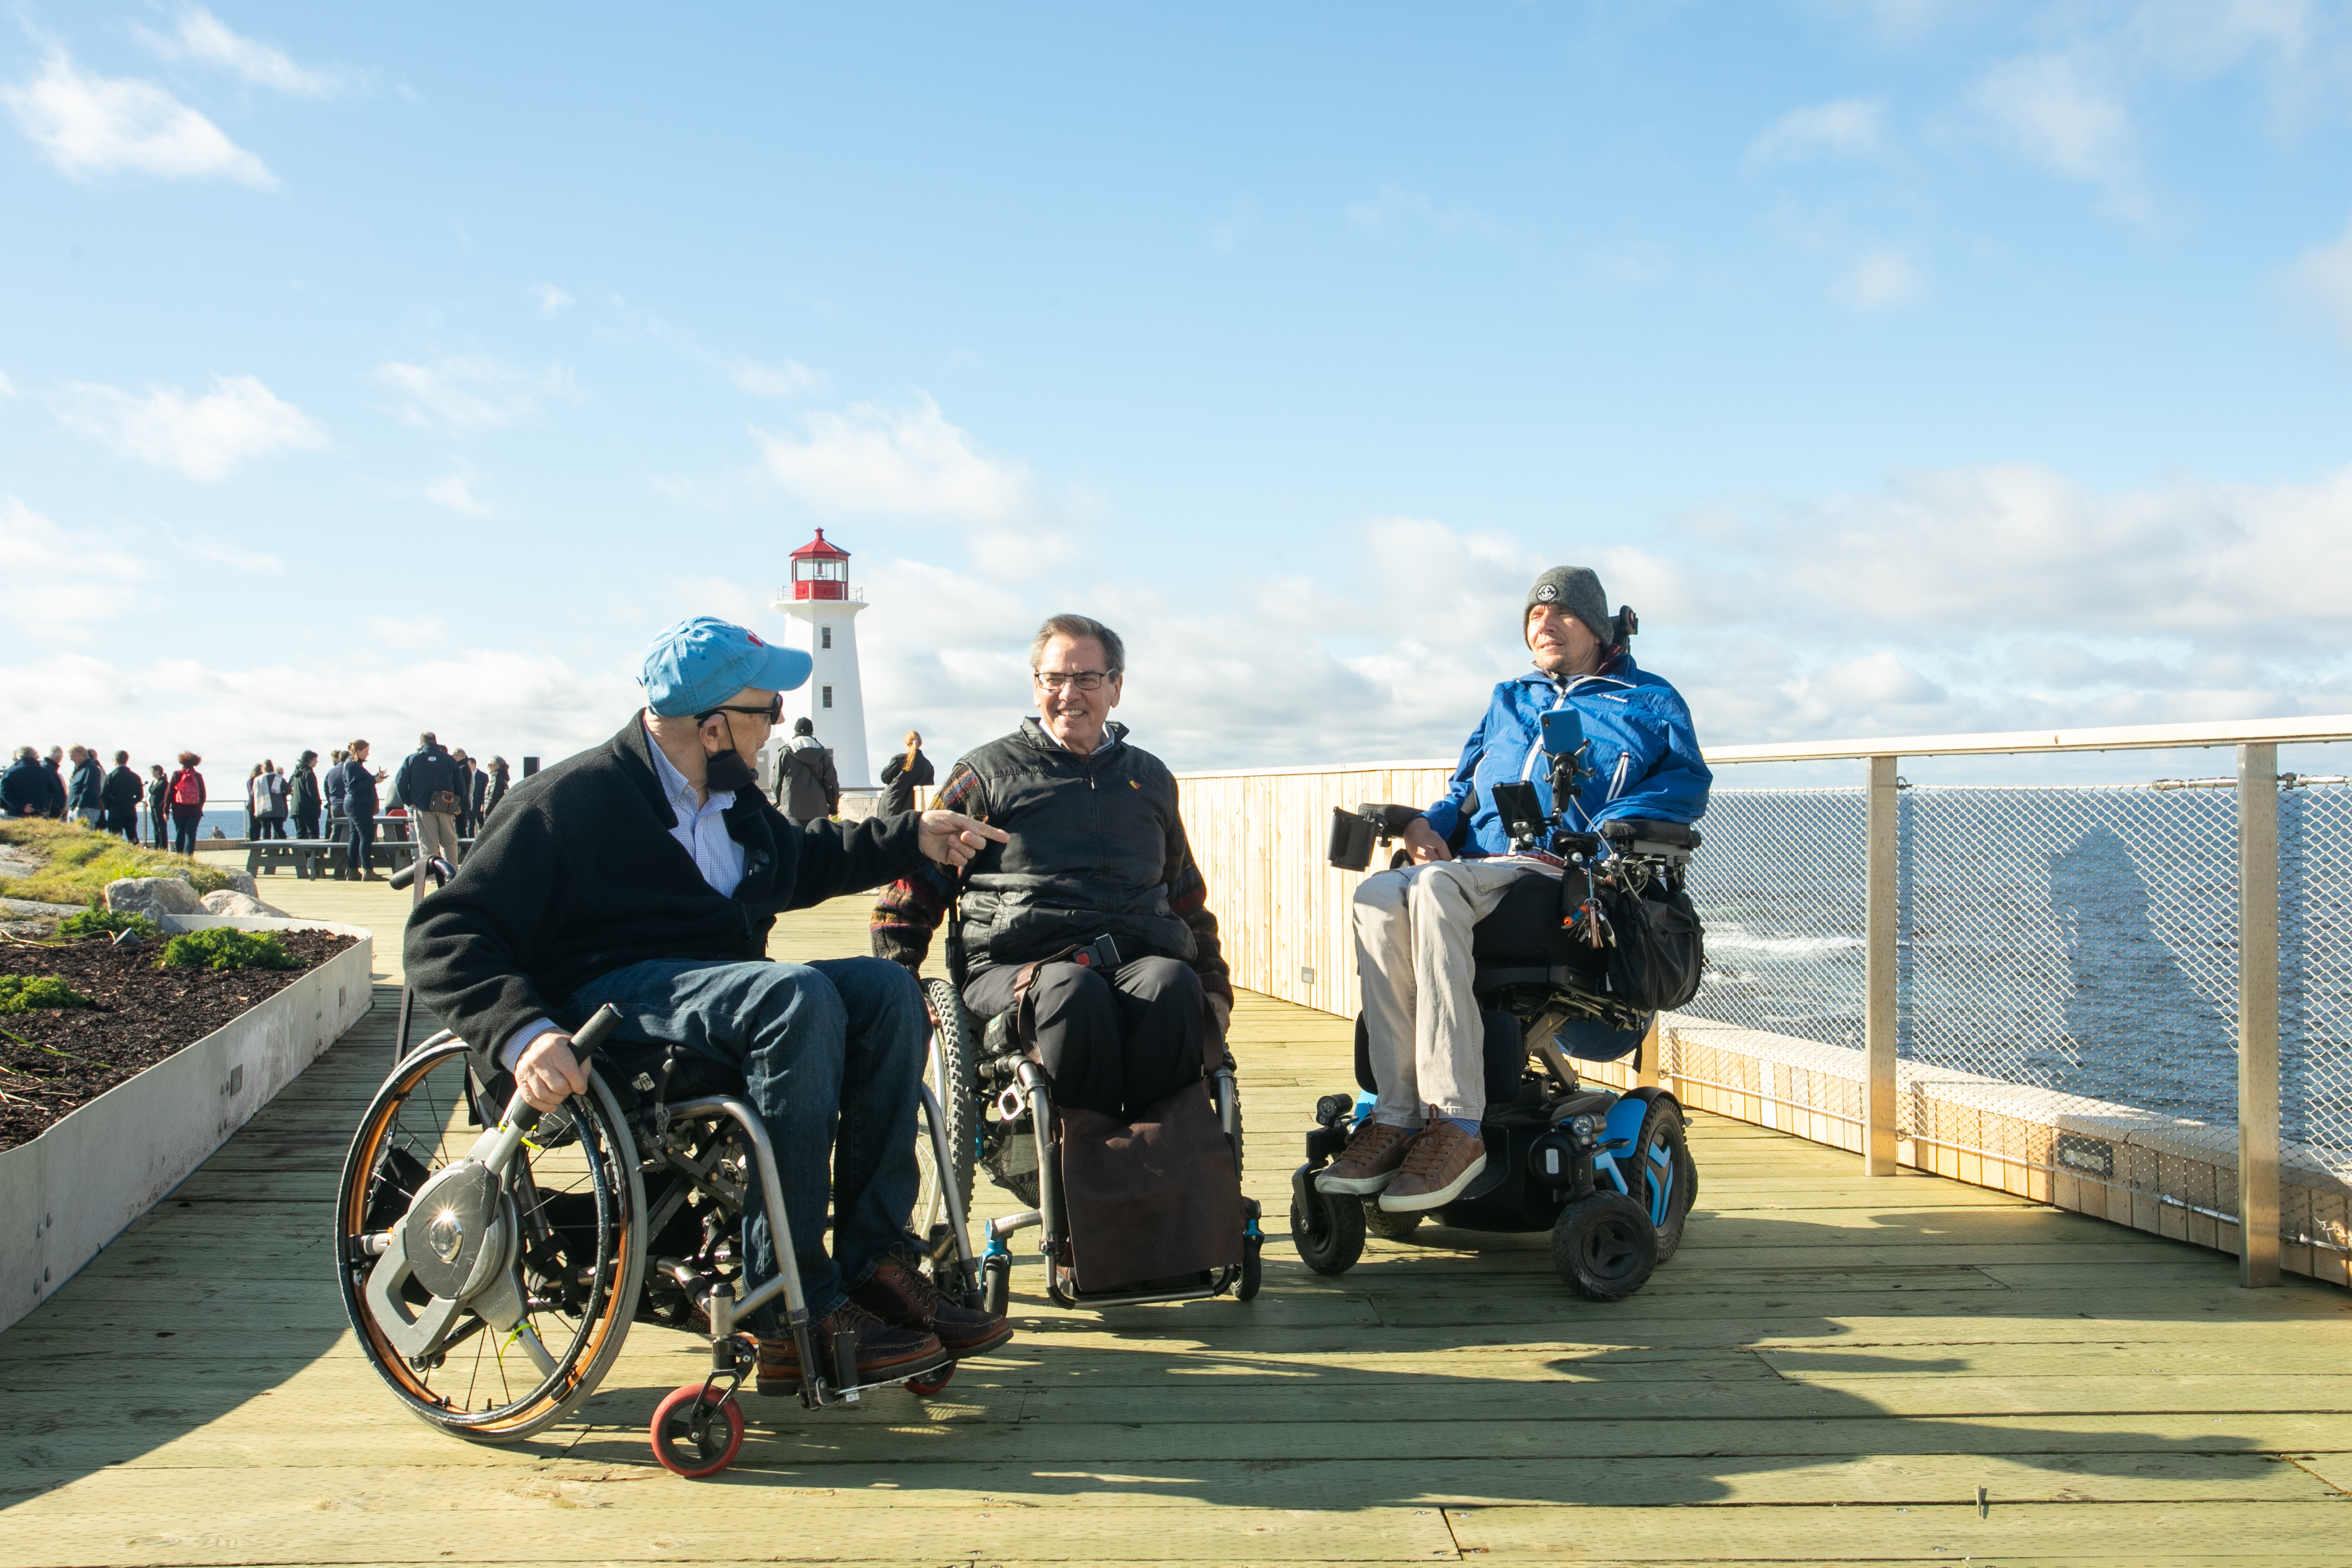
(1018, 1086)
(376, 1272)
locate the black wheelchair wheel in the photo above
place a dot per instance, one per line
(1253, 1268)
(1327, 1228)
(1391, 1226)
(575, 1203)
(995, 1285)
(1669, 1178)
(955, 1075)
(1604, 1246)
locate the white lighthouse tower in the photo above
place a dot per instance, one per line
(823, 609)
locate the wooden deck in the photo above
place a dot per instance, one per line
(1827, 1373)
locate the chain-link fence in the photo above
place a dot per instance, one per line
(2065, 989)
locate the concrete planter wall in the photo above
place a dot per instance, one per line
(67, 1194)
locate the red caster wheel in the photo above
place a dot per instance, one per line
(930, 1383)
(697, 1434)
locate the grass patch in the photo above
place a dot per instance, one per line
(225, 947)
(36, 994)
(96, 921)
(77, 862)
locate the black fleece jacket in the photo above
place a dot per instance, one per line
(576, 875)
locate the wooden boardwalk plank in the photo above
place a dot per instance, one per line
(1825, 1374)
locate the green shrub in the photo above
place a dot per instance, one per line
(96, 921)
(31, 993)
(225, 947)
(78, 861)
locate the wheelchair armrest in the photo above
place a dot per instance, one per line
(1625, 830)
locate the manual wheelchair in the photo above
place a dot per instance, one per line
(1608, 1174)
(1001, 1119)
(492, 1260)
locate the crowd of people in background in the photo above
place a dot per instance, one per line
(445, 795)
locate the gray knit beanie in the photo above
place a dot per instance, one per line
(1577, 590)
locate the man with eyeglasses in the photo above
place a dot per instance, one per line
(1092, 845)
(648, 872)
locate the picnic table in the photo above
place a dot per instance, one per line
(327, 856)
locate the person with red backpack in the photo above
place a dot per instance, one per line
(187, 797)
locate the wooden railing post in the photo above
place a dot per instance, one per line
(2258, 1016)
(1878, 1019)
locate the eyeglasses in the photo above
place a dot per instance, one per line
(774, 712)
(1083, 679)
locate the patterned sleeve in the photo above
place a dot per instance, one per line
(911, 908)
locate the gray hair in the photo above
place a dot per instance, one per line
(1076, 627)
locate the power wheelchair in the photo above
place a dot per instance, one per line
(492, 1260)
(1608, 1174)
(1000, 1118)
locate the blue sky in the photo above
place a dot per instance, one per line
(1911, 366)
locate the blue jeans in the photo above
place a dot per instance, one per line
(363, 844)
(832, 1057)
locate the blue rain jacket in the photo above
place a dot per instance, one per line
(1642, 750)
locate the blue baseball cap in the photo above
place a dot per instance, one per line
(702, 661)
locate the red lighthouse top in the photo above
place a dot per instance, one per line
(820, 570)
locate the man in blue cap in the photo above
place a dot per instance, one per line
(646, 873)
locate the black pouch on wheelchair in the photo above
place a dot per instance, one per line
(1660, 948)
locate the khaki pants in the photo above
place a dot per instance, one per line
(436, 834)
(1412, 956)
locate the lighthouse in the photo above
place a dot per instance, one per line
(822, 610)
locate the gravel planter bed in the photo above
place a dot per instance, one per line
(165, 1066)
(60, 1061)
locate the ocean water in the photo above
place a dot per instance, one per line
(2073, 939)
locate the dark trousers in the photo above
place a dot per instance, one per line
(306, 826)
(1118, 1043)
(126, 825)
(362, 844)
(184, 819)
(270, 826)
(160, 822)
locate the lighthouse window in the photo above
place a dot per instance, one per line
(824, 637)
(828, 697)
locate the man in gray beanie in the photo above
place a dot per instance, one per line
(1420, 1146)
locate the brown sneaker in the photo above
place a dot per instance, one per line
(1437, 1166)
(900, 1292)
(884, 1351)
(1369, 1160)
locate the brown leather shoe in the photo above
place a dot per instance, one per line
(901, 1293)
(1369, 1160)
(1437, 1166)
(884, 1351)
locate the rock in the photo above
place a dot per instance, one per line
(242, 882)
(230, 901)
(153, 897)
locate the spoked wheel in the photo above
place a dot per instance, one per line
(697, 1433)
(1604, 1246)
(933, 1382)
(1327, 1228)
(1669, 1177)
(954, 1074)
(551, 1263)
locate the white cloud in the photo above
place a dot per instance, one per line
(7, 388)
(456, 491)
(1878, 280)
(1846, 128)
(2322, 279)
(1395, 206)
(789, 379)
(468, 393)
(204, 39)
(501, 702)
(2050, 109)
(207, 438)
(904, 460)
(551, 300)
(91, 125)
(59, 581)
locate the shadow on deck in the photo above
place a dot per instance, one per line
(1832, 1366)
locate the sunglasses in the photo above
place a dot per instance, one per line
(774, 712)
